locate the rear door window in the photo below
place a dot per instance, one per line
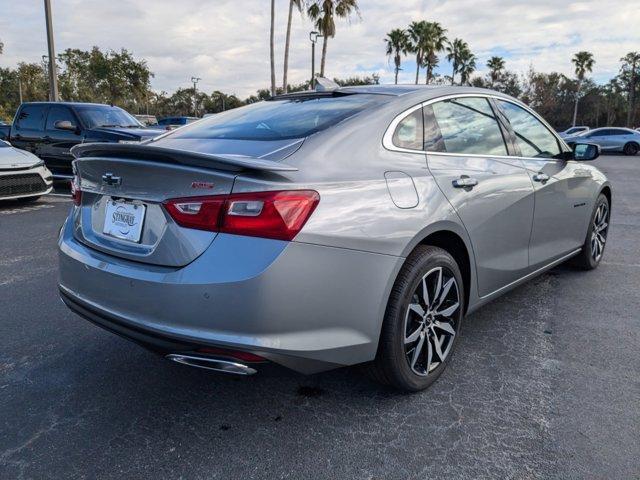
(31, 117)
(465, 126)
(532, 137)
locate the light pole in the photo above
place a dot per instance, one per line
(313, 36)
(195, 81)
(53, 79)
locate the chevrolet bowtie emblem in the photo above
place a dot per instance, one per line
(111, 180)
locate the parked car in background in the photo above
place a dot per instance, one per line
(147, 120)
(170, 123)
(573, 131)
(5, 130)
(610, 139)
(23, 176)
(50, 129)
(321, 229)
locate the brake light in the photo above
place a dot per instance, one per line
(201, 213)
(279, 215)
(76, 193)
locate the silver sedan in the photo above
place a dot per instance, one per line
(23, 176)
(610, 139)
(322, 229)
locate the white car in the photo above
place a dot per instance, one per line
(570, 132)
(23, 176)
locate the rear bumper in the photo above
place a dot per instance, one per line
(306, 307)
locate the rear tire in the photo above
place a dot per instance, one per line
(593, 248)
(631, 149)
(421, 327)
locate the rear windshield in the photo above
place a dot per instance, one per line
(280, 119)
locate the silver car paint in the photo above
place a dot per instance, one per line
(318, 301)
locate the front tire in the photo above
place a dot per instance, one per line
(422, 322)
(593, 247)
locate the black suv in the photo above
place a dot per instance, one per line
(50, 129)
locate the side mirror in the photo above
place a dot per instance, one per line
(64, 125)
(585, 152)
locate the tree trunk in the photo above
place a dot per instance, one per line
(453, 73)
(397, 63)
(325, 39)
(272, 48)
(632, 96)
(285, 86)
(575, 106)
(418, 62)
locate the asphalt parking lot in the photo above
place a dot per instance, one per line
(544, 384)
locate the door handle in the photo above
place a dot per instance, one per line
(540, 177)
(464, 182)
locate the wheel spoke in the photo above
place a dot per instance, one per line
(414, 336)
(445, 292)
(437, 345)
(429, 356)
(436, 293)
(425, 292)
(446, 326)
(417, 308)
(447, 312)
(416, 352)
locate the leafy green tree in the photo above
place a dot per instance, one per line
(496, 66)
(417, 33)
(467, 66)
(298, 5)
(456, 51)
(434, 41)
(583, 62)
(629, 75)
(397, 42)
(323, 14)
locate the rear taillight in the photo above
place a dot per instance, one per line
(278, 215)
(76, 193)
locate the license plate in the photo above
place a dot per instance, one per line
(124, 220)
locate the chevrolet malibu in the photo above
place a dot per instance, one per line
(321, 229)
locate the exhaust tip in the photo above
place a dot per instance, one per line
(209, 363)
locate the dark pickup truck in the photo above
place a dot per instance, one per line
(50, 129)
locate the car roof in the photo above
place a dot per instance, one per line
(70, 104)
(613, 128)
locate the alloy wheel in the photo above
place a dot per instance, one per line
(431, 321)
(599, 231)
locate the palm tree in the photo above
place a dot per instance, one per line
(287, 42)
(323, 13)
(434, 41)
(455, 51)
(416, 33)
(272, 48)
(630, 73)
(495, 65)
(397, 42)
(583, 62)
(467, 66)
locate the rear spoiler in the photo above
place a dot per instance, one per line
(169, 155)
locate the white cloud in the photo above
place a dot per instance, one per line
(226, 41)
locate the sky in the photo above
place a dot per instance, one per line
(226, 42)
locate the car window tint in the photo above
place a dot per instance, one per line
(31, 117)
(618, 132)
(281, 118)
(533, 138)
(468, 125)
(59, 114)
(409, 131)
